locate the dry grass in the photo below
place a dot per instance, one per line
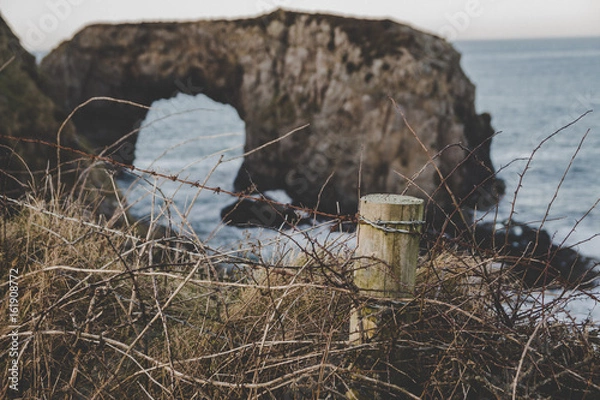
(112, 310)
(107, 314)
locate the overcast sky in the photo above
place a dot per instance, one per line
(42, 24)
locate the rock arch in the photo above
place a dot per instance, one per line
(287, 69)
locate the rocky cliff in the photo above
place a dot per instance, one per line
(286, 69)
(29, 123)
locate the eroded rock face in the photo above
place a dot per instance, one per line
(29, 125)
(26, 116)
(287, 69)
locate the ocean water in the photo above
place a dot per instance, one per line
(196, 139)
(532, 88)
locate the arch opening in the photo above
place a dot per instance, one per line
(196, 139)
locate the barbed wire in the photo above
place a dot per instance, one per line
(389, 226)
(248, 194)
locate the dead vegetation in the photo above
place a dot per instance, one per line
(108, 309)
(104, 313)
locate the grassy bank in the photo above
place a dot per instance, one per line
(105, 313)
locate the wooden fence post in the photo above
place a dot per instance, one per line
(388, 247)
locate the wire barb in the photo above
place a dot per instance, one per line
(385, 225)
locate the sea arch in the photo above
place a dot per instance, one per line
(282, 71)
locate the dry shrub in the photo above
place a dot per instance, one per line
(105, 313)
(473, 339)
(90, 301)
